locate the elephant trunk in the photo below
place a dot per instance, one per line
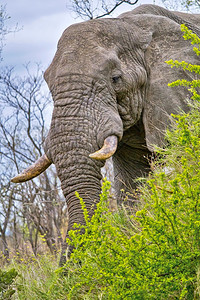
(78, 130)
(78, 173)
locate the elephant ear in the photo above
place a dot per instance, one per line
(161, 100)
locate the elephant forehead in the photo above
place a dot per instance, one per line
(92, 60)
(87, 30)
(91, 39)
(103, 32)
(77, 39)
(89, 48)
(94, 56)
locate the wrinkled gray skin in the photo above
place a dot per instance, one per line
(109, 77)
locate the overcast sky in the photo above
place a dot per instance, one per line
(42, 23)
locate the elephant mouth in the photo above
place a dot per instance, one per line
(108, 149)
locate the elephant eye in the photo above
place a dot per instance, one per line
(115, 79)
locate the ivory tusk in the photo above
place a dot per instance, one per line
(34, 170)
(108, 149)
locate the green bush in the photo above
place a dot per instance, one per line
(194, 84)
(7, 279)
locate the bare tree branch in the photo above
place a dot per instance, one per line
(39, 204)
(109, 12)
(188, 5)
(87, 9)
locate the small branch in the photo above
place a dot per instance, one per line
(116, 5)
(85, 9)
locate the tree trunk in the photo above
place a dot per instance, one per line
(5, 249)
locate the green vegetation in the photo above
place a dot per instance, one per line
(151, 255)
(6, 280)
(195, 83)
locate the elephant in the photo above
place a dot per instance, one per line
(109, 83)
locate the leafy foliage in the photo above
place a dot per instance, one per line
(6, 280)
(193, 84)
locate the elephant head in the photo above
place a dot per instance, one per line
(109, 82)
